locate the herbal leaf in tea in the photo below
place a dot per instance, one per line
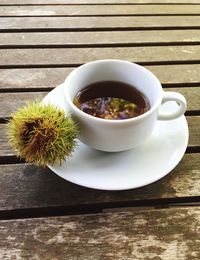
(111, 100)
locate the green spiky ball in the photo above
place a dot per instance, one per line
(42, 134)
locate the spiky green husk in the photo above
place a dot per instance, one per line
(42, 134)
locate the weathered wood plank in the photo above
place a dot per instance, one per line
(100, 38)
(148, 234)
(79, 10)
(26, 186)
(13, 2)
(9, 102)
(84, 23)
(71, 56)
(51, 77)
(193, 123)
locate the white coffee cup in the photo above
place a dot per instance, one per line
(119, 135)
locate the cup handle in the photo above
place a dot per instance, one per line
(182, 105)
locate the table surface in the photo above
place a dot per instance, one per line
(45, 217)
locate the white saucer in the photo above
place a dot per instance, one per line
(130, 169)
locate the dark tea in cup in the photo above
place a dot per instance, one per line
(116, 89)
(112, 100)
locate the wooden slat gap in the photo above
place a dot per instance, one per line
(178, 85)
(193, 149)
(18, 90)
(42, 89)
(11, 159)
(28, 66)
(4, 120)
(110, 29)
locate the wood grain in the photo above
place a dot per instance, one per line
(100, 38)
(30, 191)
(81, 10)
(94, 23)
(9, 102)
(65, 56)
(25, 186)
(45, 78)
(148, 234)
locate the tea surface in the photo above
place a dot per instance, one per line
(112, 100)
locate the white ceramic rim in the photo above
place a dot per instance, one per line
(112, 121)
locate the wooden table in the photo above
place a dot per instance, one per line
(45, 217)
